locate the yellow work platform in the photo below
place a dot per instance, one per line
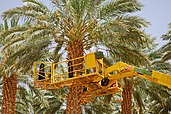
(94, 73)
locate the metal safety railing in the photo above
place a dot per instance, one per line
(42, 72)
(49, 73)
(68, 69)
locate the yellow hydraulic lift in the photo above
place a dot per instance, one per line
(94, 73)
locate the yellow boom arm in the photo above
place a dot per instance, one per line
(125, 70)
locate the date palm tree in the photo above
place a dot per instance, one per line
(8, 71)
(9, 74)
(75, 26)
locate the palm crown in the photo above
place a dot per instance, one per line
(86, 21)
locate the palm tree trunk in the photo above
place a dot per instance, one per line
(73, 100)
(9, 94)
(127, 97)
(75, 49)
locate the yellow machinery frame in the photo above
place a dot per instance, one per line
(90, 75)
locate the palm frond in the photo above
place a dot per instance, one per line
(161, 66)
(167, 56)
(133, 21)
(166, 47)
(117, 7)
(167, 36)
(7, 35)
(122, 30)
(133, 56)
(155, 55)
(30, 11)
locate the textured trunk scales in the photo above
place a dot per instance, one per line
(127, 98)
(9, 94)
(75, 49)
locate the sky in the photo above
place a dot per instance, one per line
(155, 11)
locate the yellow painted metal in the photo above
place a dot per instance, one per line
(35, 72)
(120, 66)
(162, 79)
(100, 92)
(90, 62)
(52, 73)
(47, 71)
(122, 75)
(61, 70)
(100, 67)
(121, 86)
(102, 64)
(90, 75)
